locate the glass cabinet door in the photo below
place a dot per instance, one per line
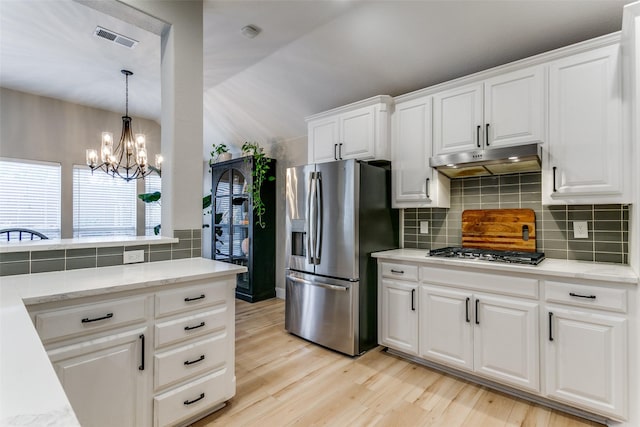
(231, 221)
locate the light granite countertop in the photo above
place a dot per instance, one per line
(549, 267)
(30, 393)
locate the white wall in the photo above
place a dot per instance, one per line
(38, 128)
(182, 104)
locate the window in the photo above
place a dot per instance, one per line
(30, 196)
(102, 205)
(152, 183)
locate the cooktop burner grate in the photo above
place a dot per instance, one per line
(531, 258)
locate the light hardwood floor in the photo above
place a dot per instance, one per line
(283, 380)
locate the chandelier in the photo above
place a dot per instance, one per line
(129, 158)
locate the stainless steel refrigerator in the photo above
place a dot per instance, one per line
(337, 214)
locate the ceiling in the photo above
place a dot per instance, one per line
(310, 56)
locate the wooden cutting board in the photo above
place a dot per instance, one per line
(499, 229)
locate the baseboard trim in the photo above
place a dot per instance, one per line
(280, 293)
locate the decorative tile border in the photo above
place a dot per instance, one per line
(12, 263)
(608, 225)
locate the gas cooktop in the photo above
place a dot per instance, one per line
(531, 258)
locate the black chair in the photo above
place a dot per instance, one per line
(20, 232)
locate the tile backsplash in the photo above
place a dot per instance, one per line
(11, 263)
(608, 225)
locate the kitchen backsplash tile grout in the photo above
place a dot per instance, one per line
(42, 261)
(607, 224)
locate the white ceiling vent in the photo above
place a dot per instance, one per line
(115, 37)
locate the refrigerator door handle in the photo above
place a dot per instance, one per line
(319, 218)
(310, 219)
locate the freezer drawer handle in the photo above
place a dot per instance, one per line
(319, 284)
(189, 402)
(397, 271)
(582, 296)
(107, 316)
(188, 328)
(191, 362)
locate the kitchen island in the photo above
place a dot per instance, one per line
(563, 333)
(30, 391)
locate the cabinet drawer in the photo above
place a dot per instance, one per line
(187, 327)
(190, 360)
(598, 297)
(189, 298)
(399, 271)
(191, 399)
(90, 318)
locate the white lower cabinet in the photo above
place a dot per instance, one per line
(506, 340)
(496, 337)
(446, 331)
(154, 358)
(564, 341)
(586, 358)
(399, 326)
(106, 379)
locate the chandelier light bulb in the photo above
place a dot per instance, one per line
(159, 161)
(92, 157)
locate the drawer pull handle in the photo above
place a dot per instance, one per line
(582, 296)
(189, 402)
(191, 362)
(189, 328)
(413, 300)
(141, 367)
(107, 316)
(397, 271)
(550, 326)
(194, 299)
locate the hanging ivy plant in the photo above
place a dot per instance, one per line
(259, 174)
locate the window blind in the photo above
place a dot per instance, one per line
(152, 183)
(102, 205)
(30, 196)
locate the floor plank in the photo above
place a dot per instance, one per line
(283, 380)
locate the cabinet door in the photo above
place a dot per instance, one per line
(357, 134)
(323, 140)
(102, 379)
(586, 355)
(514, 108)
(458, 120)
(415, 184)
(399, 316)
(446, 329)
(586, 149)
(506, 341)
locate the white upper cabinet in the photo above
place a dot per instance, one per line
(355, 131)
(514, 108)
(504, 110)
(587, 154)
(415, 184)
(458, 119)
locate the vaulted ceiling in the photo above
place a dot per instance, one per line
(310, 56)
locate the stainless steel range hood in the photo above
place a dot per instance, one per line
(494, 161)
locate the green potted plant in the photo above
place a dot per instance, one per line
(259, 173)
(220, 153)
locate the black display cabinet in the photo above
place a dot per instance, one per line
(236, 236)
